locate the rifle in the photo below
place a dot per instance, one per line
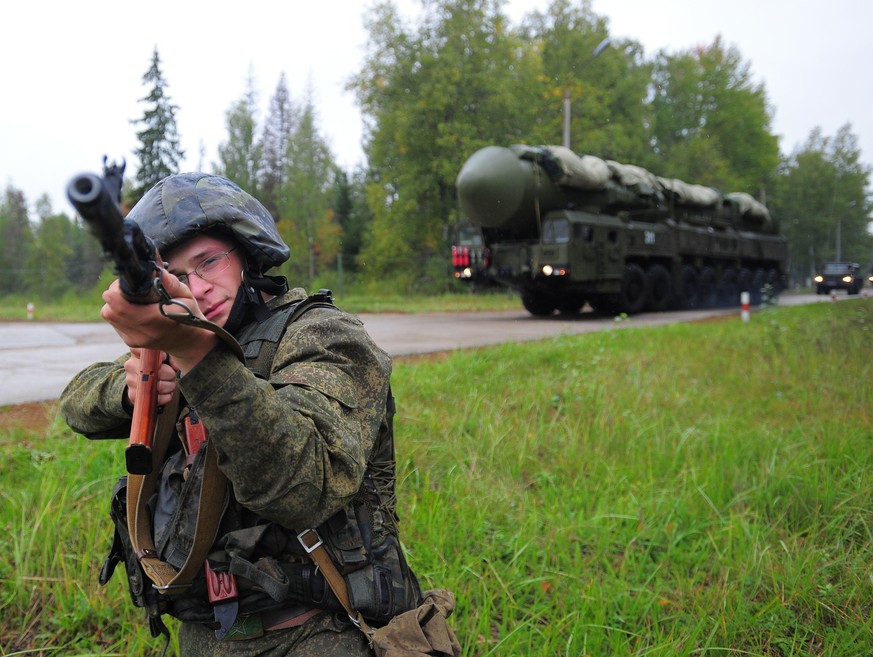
(97, 201)
(138, 266)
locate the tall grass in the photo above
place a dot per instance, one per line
(698, 489)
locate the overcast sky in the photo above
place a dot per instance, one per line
(71, 72)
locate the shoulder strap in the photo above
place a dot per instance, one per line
(261, 341)
(165, 577)
(321, 299)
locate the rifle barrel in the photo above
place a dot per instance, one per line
(122, 241)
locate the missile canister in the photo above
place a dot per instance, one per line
(499, 189)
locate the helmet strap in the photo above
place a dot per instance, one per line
(249, 300)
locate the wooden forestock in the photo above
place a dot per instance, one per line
(138, 455)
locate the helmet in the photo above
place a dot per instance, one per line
(184, 205)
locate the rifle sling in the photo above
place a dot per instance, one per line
(165, 578)
(190, 319)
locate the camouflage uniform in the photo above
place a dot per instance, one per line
(294, 448)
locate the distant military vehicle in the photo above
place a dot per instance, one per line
(470, 256)
(839, 276)
(564, 229)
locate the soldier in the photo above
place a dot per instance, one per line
(302, 431)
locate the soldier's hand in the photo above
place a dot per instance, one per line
(143, 325)
(166, 377)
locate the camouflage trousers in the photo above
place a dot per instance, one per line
(325, 635)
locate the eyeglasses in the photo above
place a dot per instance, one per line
(210, 267)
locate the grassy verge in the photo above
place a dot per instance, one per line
(698, 489)
(87, 307)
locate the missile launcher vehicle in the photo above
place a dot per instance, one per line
(564, 230)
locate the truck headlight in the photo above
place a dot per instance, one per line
(555, 270)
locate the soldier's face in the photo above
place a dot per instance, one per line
(212, 268)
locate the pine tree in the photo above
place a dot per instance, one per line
(308, 224)
(352, 213)
(16, 239)
(159, 152)
(241, 155)
(281, 120)
(46, 264)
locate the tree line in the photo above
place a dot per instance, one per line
(433, 92)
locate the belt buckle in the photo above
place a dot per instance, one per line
(304, 535)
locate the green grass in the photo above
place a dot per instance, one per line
(86, 308)
(68, 309)
(699, 489)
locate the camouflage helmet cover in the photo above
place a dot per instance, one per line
(182, 206)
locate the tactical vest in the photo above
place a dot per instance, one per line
(270, 565)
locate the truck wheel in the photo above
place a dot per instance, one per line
(774, 281)
(690, 287)
(744, 281)
(660, 288)
(728, 294)
(708, 288)
(758, 281)
(537, 304)
(634, 289)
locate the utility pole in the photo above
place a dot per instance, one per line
(839, 238)
(566, 141)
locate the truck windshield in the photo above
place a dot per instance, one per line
(556, 231)
(469, 236)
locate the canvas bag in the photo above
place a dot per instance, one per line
(420, 631)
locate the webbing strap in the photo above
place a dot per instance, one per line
(165, 577)
(262, 342)
(312, 543)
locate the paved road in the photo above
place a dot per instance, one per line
(38, 359)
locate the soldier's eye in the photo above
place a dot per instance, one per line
(210, 263)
